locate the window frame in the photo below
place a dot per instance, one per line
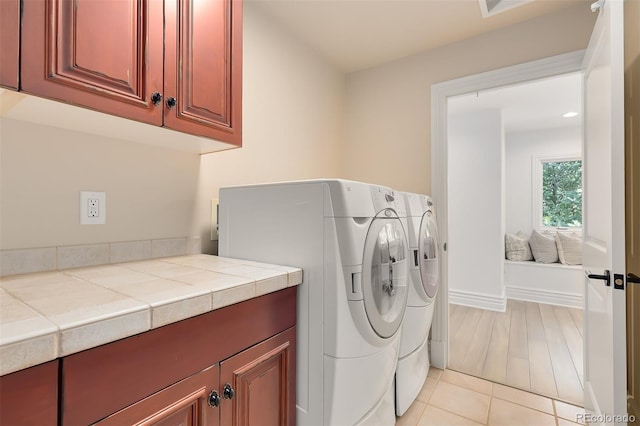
(536, 191)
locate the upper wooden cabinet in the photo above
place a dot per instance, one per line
(203, 68)
(176, 63)
(105, 55)
(9, 43)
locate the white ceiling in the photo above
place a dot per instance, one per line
(531, 106)
(359, 34)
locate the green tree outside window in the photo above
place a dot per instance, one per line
(562, 193)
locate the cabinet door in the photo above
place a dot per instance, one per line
(9, 42)
(262, 379)
(185, 403)
(101, 54)
(30, 396)
(203, 68)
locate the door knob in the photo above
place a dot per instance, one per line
(171, 102)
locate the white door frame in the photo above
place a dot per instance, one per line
(543, 68)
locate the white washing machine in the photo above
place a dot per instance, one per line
(348, 239)
(424, 280)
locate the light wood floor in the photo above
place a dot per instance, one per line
(531, 346)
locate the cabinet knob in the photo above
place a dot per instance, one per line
(228, 392)
(156, 98)
(214, 399)
(171, 102)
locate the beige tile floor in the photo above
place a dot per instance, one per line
(452, 398)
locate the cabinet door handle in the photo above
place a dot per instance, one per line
(214, 399)
(171, 102)
(228, 392)
(606, 277)
(156, 98)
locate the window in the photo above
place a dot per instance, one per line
(558, 201)
(562, 193)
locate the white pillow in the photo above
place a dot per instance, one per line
(517, 247)
(569, 248)
(543, 247)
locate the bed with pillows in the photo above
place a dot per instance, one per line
(545, 267)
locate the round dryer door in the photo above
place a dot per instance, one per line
(384, 276)
(428, 255)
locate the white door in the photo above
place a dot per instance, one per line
(604, 231)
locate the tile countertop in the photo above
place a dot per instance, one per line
(49, 315)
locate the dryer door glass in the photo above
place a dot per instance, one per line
(385, 273)
(429, 256)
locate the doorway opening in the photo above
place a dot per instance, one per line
(491, 323)
(515, 215)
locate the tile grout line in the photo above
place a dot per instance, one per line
(492, 396)
(490, 404)
(453, 384)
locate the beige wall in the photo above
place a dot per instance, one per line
(150, 192)
(293, 109)
(388, 108)
(293, 118)
(296, 111)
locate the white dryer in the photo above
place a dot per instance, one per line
(348, 239)
(424, 280)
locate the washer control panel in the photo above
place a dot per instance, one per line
(386, 198)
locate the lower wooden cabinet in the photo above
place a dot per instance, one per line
(258, 385)
(185, 403)
(253, 387)
(232, 366)
(30, 396)
(249, 345)
(10, 43)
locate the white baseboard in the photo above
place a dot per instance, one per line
(572, 300)
(477, 300)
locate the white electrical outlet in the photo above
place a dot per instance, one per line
(93, 208)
